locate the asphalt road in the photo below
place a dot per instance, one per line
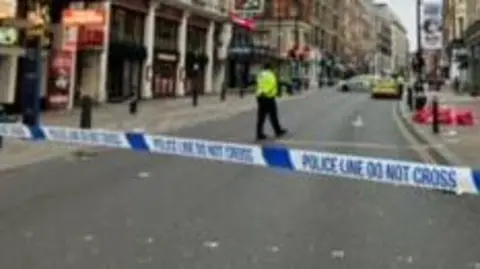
(127, 210)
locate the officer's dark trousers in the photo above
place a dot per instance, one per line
(267, 107)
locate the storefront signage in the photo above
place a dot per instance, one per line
(60, 79)
(432, 35)
(166, 57)
(8, 8)
(8, 36)
(78, 17)
(91, 37)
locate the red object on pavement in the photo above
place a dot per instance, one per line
(446, 116)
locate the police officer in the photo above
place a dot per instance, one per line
(267, 91)
(400, 81)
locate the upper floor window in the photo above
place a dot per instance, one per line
(166, 34)
(127, 26)
(461, 25)
(117, 24)
(196, 38)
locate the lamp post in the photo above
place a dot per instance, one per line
(279, 39)
(296, 62)
(419, 39)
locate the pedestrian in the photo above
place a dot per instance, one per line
(267, 91)
(400, 84)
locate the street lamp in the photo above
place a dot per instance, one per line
(419, 40)
(296, 63)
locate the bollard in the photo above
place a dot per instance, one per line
(194, 96)
(133, 106)
(435, 116)
(86, 112)
(2, 117)
(223, 94)
(29, 117)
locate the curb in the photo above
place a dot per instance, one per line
(440, 153)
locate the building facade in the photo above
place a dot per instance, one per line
(144, 49)
(400, 46)
(330, 26)
(287, 27)
(359, 29)
(457, 15)
(472, 46)
(383, 39)
(369, 34)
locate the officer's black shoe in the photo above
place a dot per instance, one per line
(282, 133)
(261, 137)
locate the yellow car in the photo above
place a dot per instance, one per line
(385, 87)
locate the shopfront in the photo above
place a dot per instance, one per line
(196, 57)
(29, 91)
(9, 52)
(164, 73)
(166, 55)
(240, 56)
(471, 57)
(126, 52)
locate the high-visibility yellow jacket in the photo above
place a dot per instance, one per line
(267, 84)
(400, 80)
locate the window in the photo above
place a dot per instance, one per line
(166, 34)
(117, 25)
(461, 25)
(126, 26)
(196, 39)
(138, 29)
(269, 9)
(134, 23)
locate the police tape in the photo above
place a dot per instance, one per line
(436, 177)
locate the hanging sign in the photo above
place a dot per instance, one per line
(61, 70)
(431, 23)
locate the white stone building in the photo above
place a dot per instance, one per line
(145, 48)
(400, 45)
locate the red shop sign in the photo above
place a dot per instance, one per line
(60, 79)
(91, 37)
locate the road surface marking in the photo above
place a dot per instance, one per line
(338, 254)
(143, 175)
(358, 122)
(210, 244)
(423, 153)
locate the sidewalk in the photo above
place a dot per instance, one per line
(154, 116)
(455, 145)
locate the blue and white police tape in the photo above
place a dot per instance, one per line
(420, 175)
